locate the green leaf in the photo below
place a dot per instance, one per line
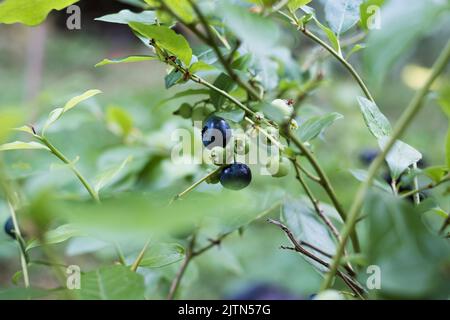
(183, 9)
(167, 39)
(72, 103)
(200, 66)
(125, 60)
(126, 16)
(377, 123)
(301, 219)
(436, 173)
(236, 115)
(447, 148)
(400, 157)
(314, 126)
(398, 35)
(224, 83)
(258, 34)
(9, 118)
(28, 12)
(26, 129)
(172, 78)
(362, 175)
(22, 293)
(367, 11)
(341, 15)
(119, 120)
(162, 254)
(331, 37)
(357, 47)
(294, 5)
(58, 235)
(20, 145)
(112, 283)
(404, 250)
(110, 175)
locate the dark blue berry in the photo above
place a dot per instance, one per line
(368, 155)
(216, 132)
(236, 176)
(9, 228)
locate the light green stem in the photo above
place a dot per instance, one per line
(405, 119)
(23, 259)
(344, 62)
(63, 158)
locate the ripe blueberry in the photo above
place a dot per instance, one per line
(236, 176)
(9, 228)
(368, 155)
(216, 132)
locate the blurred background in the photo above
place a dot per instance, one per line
(43, 67)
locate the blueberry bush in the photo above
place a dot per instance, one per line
(190, 192)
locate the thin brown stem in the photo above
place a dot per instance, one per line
(355, 287)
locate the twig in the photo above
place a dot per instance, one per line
(176, 282)
(405, 119)
(426, 187)
(356, 288)
(324, 181)
(416, 186)
(63, 158)
(344, 62)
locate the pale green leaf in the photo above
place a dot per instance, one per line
(108, 176)
(183, 9)
(125, 60)
(111, 283)
(26, 129)
(436, 173)
(58, 235)
(162, 254)
(200, 66)
(377, 123)
(58, 112)
(167, 39)
(29, 12)
(341, 15)
(21, 145)
(294, 5)
(357, 47)
(126, 16)
(400, 157)
(314, 126)
(370, 10)
(119, 120)
(331, 37)
(362, 176)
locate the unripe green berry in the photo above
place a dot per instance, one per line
(241, 144)
(283, 107)
(198, 114)
(184, 111)
(219, 155)
(278, 167)
(273, 132)
(208, 109)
